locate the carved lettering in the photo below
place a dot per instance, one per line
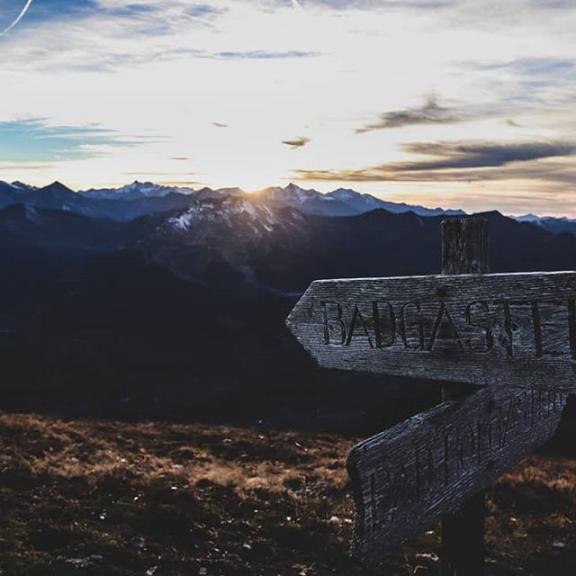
(507, 340)
(384, 324)
(513, 328)
(334, 323)
(508, 422)
(444, 326)
(425, 475)
(358, 320)
(418, 323)
(466, 447)
(487, 338)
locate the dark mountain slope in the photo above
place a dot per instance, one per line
(523, 247)
(58, 230)
(285, 250)
(183, 313)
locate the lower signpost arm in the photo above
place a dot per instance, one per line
(465, 251)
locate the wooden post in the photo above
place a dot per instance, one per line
(436, 327)
(465, 246)
(465, 250)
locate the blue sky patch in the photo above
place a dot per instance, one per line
(33, 141)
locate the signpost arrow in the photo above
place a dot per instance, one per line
(491, 329)
(514, 334)
(406, 478)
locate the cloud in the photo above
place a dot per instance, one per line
(241, 61)
(156, 174)
(107, 35)
(183, 183)
(34, 140)
(454, 161)
(531, 67)
(430, 113)
(19, 166)
(481, 155)
(262, 55)
(379, 4)
(297, 142)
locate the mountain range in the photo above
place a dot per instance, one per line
(138, 199)
(164, 302)
(551, 223)
(141, 198)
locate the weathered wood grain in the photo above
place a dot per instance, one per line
(465, 250)
(491, 329)
(407, 477)
(465, 246)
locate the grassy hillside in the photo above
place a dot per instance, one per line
(152, 499)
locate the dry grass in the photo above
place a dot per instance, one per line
(105, 498)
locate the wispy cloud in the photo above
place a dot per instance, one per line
(430, 113)
(297, 142)
(262, 55)
(380, 4)
(35, 140)
(482, 154)
(456, 161)
(532, 66)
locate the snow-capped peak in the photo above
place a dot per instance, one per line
(230, 212)
(136, 190)
(21, 186)
(528, 218)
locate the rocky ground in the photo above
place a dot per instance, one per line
(110, 498)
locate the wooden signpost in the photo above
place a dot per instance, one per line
(411, 475)
(493, 329)
(514, 334)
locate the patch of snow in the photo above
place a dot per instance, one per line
(226, 213)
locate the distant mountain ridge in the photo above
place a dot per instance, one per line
(141, 198)
(344, 202)
(127, 203)
(551, 223)
(136, 190)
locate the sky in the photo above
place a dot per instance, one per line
(455, 103)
